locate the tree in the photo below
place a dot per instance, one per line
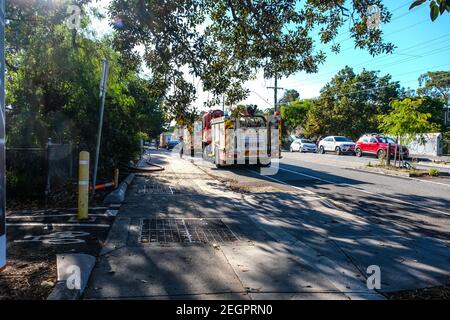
(407, 120)
(350, 104)
(290, 95)
(226, 42)
(53, 80)
(435, 84)
(294, 114)
(437, 7)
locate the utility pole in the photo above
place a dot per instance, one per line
(275, 93)
(100, 125)
(2, 138)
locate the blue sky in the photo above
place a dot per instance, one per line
(422, 45)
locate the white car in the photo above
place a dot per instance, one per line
(303, 145)
(336, 144)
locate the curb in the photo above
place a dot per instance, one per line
(72, 269)
(396, 175)
(118, 196)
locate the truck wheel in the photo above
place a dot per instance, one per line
(321, 150)
(358, 153)
(216, 160)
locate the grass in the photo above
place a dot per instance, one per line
(433, 172)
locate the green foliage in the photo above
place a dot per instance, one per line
(225, 43)
(437, 7)
(294, 114)
(289, 96)
(407, 119)
(350, 104)
(53, 90)
(435, 84)
(433, 172)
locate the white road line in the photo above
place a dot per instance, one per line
(282, 182)
(43, 224)
(53, 216)
(365, 191)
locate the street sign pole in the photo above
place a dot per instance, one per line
(100, 125)
(2, 138)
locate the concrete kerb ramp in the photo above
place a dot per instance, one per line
(73, 271)
(118, 195)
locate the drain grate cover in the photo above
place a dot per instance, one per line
(185, 231)
(155, 188)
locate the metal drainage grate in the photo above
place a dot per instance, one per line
(155, 188)
(185, 231)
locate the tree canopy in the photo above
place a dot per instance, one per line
(53, 87)
(226, 42)
(350, 103)
(407, 119)
(290, 95)
(435, 84)
(437, 7)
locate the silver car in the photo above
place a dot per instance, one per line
(303, 145)
(337, 144)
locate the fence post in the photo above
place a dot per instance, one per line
(83, 185)
(388, 155)
(47, 155)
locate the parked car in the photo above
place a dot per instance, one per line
(171, 144)
(376, 144)
(337, 144)
(303, 145)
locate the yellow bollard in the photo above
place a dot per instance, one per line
(83, 185)
(116, 178)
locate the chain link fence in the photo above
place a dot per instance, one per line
(446, 147)
(36, 172)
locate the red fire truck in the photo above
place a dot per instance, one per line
(246, 138)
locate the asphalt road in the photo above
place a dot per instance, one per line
(196, 231)
(340, 177)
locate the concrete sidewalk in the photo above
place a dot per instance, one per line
(277, 244)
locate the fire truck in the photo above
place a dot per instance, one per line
(244, 138)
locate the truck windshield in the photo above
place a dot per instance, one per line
(252, 122)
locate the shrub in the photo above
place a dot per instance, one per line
(434, 172)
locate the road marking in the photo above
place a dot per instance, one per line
(365, 191)
(43, 224)
(40, 216)
(282, 182)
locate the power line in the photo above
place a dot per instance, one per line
(387, 86)
(391, 33)
(391, 11)
(371, 62)
(406, 73)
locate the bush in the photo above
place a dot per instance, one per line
(434, 172)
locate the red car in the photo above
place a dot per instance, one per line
(376, 144)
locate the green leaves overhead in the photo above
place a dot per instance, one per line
(416, 3)
(225, 43)
(437, 7)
